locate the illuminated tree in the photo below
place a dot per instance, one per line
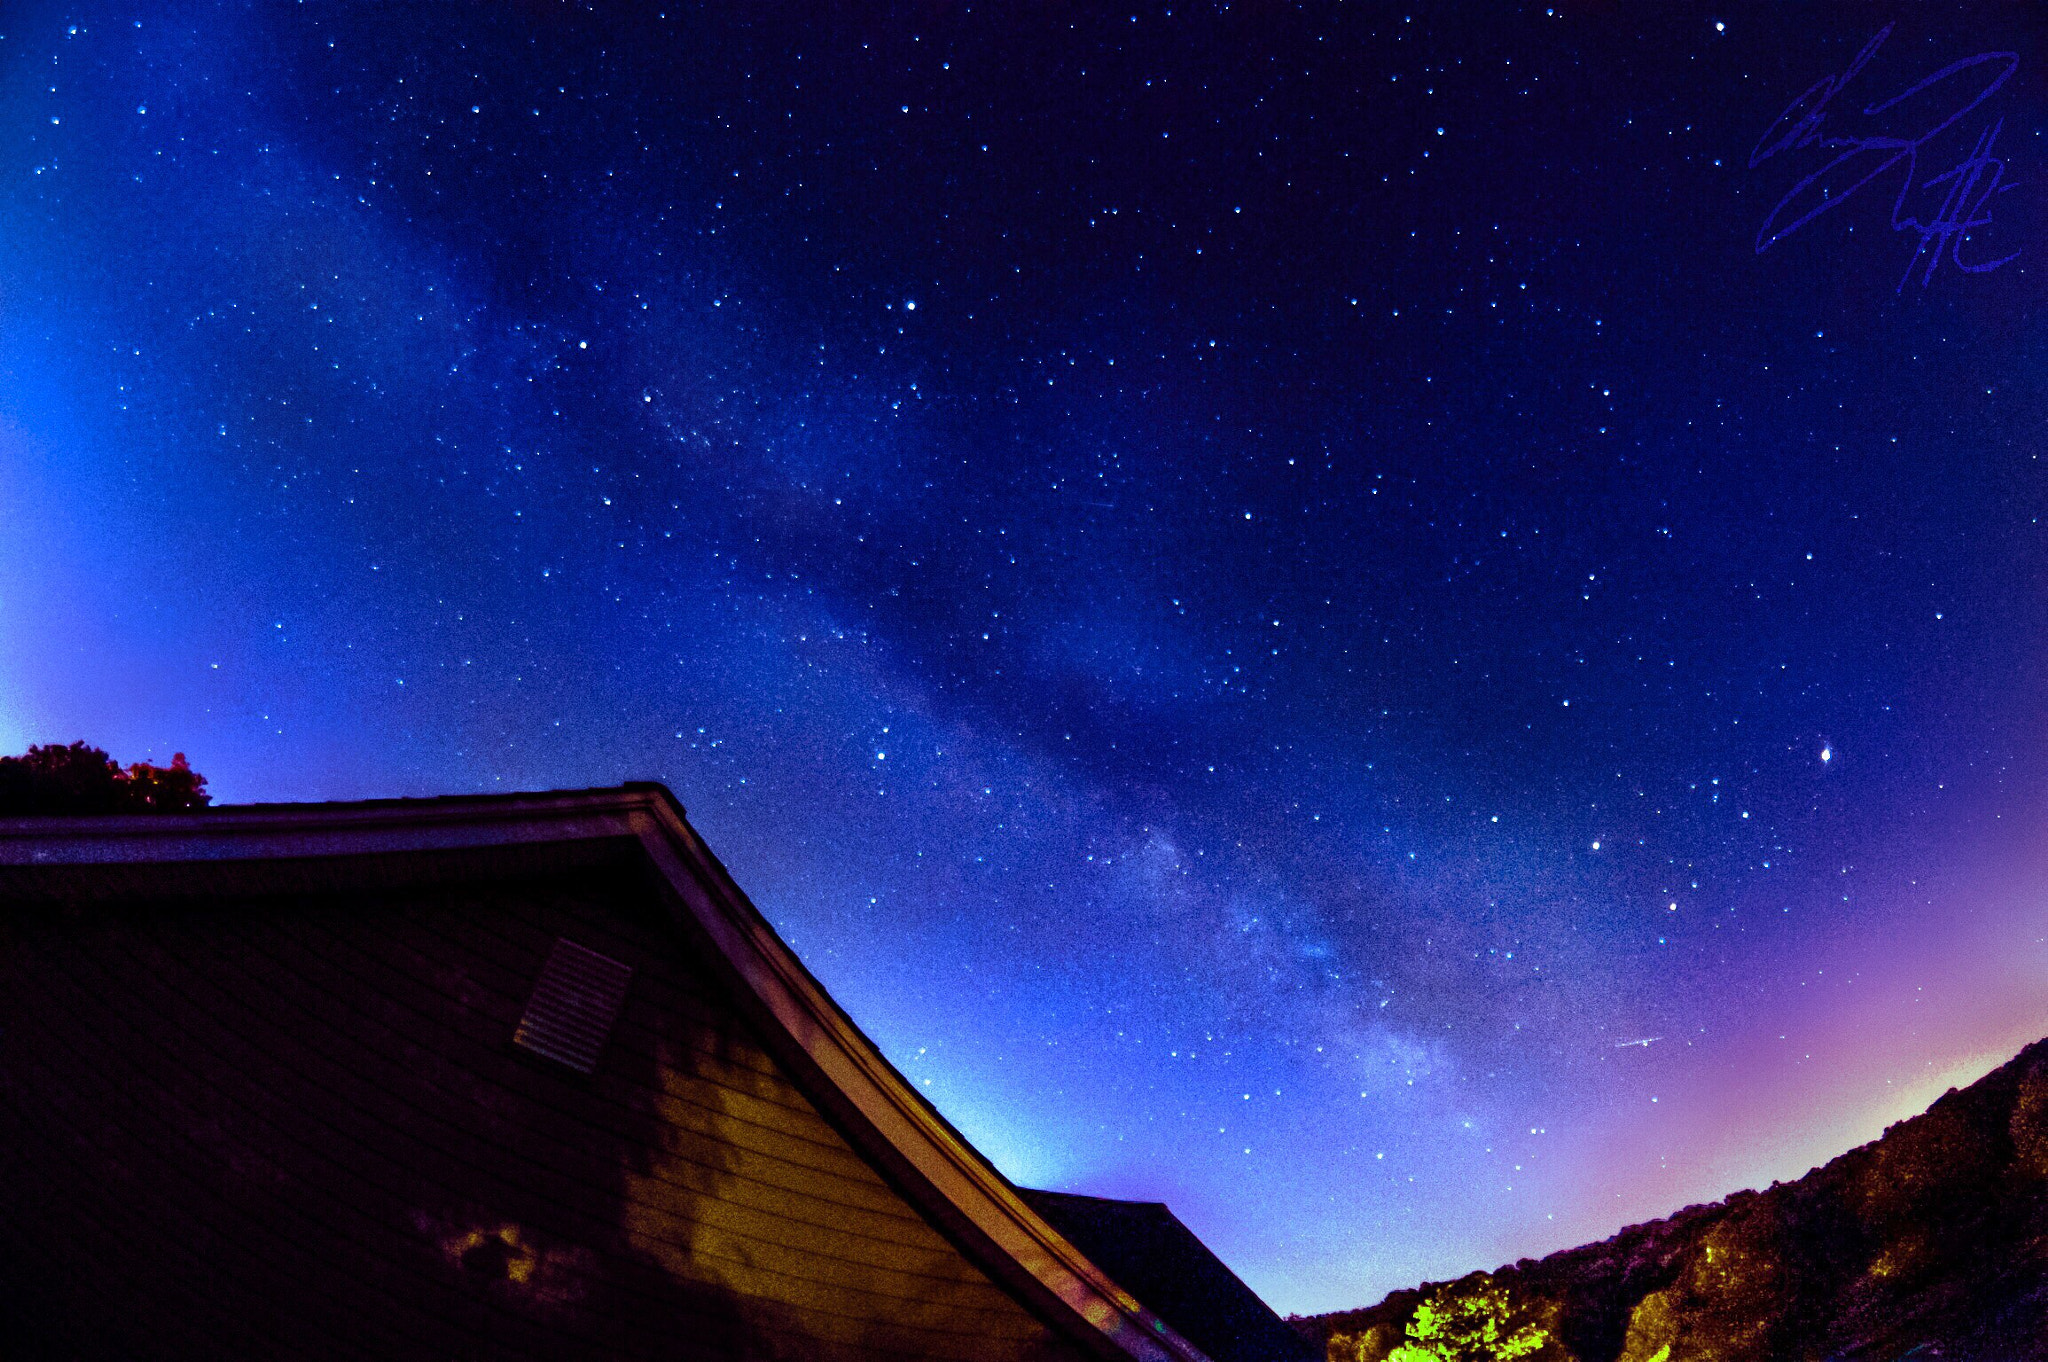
(78, 779)
(176, 788)
(1470, 1326)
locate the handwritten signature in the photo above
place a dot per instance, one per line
(1930, 1349)
(1970, 186)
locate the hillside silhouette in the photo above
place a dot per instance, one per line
(1930, 1241)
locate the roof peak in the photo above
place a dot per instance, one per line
(294, 849)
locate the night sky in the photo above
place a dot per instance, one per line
(1278, 599)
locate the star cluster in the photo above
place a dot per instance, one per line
(1277, 598)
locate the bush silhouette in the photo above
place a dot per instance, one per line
(78, 779)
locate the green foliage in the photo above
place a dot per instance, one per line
(78, 779)
(1931, 1232)
(1371, 1345)
(1468, 1326)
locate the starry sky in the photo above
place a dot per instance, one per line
(1361, 618)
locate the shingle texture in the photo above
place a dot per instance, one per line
(1161, 1262)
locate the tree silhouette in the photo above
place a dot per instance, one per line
(78, 779)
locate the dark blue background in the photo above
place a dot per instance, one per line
(1154, 541)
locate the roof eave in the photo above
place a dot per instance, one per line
(944, 1175)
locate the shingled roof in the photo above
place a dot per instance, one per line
(519, 1075)
(1150, 1252)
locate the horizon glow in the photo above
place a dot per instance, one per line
(1259, 650)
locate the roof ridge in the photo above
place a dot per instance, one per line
(891, 1124)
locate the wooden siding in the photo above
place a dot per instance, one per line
(300, 1126)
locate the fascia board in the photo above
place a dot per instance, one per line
(971, 1192)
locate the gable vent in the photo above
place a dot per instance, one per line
(574, 1003)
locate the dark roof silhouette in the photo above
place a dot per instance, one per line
(1147, 1249)
(519, 1076)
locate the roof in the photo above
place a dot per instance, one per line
(1147, 1249)
(640, 829)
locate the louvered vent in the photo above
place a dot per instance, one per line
(574, 1003)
